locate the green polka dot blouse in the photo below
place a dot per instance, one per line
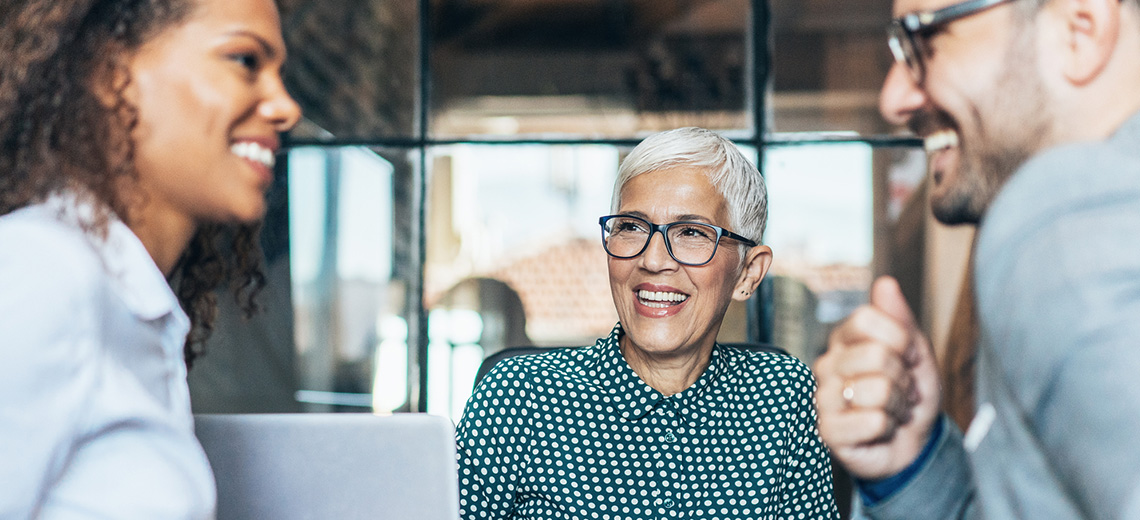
(575, 434)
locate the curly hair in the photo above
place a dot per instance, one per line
(62, 60)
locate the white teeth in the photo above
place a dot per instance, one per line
(660, 299)
(254, 152)
(940, 140)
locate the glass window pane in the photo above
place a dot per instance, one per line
(250, 364)
(829, 58)
(821, 231)
(840, 214)
(514, 256)
(348, 287)
(353, 67)
(588, 68)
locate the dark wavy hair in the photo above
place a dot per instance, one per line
(65, 125)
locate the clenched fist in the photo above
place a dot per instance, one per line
(878, 393)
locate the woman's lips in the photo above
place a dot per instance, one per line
(259, 154)
(658, 301)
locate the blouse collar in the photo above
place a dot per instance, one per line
(133, 274)
(633, 399)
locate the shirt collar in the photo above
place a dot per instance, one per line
(132, 272)
(693, 401)
(633, 399)
(1128, 132)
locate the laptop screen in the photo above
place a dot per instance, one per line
(320, 466)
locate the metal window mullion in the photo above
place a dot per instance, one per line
(759, 323)
(418, 325)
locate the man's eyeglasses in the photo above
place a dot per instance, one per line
(689, 243)
(908, 33)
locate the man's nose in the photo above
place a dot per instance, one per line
(901, 97)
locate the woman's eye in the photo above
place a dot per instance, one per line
(629, 227)
(249, 61)
(695, 232)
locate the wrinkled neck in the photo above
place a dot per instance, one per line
(667, 373)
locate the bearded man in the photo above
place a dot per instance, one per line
(1030, 113)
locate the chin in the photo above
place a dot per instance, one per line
(648, 337)
(656, 347)
(241, 216)
(954, 206)
(252, 209)
(251, 218)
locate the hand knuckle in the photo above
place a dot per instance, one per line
(881, 423)
(861, 318)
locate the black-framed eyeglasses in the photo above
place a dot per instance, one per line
(689, 243)
(907, 34)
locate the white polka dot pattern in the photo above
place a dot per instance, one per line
(575, 434)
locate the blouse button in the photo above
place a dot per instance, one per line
(669, 437)
(669, 502)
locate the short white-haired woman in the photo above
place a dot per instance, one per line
(657, 420)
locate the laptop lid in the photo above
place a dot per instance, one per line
(329, 465)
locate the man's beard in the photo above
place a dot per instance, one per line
(957, 196)
(1016, 125)
(985, 163)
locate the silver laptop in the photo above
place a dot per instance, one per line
(327, 465)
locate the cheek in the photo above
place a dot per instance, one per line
(166, 120)
(190, 104)
(718, 282)
(618, 273)
(210, 101)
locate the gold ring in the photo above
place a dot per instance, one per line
(848, 394)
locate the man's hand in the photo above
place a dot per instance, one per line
(878, 391)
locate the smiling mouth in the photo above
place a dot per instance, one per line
(254, 152)
(659, 299)
(940, 140)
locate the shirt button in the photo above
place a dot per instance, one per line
(669, 437)
(669, 502)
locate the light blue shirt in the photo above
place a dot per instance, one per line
(95, 417)
(1057, 281)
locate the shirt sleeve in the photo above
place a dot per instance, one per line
(1067, 284)
(492, 439)
(46, 341)
(808, 489)
(940, 488)
(874, 491)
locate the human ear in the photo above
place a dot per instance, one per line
(756, 263)
(1091, 31)
(111, 84)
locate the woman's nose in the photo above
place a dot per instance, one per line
(281, 109)
(656, 256)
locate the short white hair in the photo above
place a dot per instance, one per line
(728, 170)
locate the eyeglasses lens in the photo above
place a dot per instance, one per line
(904, 51)
(689, 243)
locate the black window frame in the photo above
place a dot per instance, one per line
(761, 43)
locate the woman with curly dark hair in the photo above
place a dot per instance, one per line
(137, 140)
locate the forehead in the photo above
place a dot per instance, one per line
(672, 192)
(254, 16)
(902, 7)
